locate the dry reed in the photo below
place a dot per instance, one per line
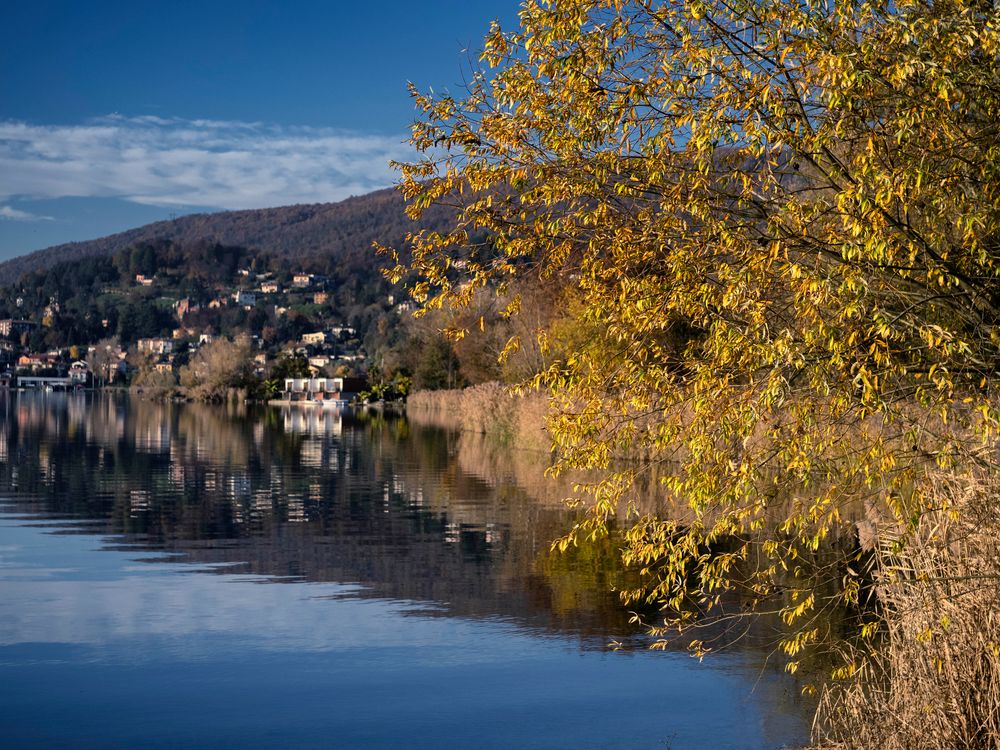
(489, 409)
(932, 680)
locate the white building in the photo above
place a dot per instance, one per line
(331, 391)
(79, 372)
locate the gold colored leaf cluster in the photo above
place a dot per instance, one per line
(783, 220)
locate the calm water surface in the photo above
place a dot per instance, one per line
(183, 577)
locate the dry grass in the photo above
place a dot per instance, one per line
(488, 409)
(933, 680)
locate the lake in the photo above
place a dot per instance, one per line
(210, 577)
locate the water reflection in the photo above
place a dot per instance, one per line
(411, 558)
(312, 495)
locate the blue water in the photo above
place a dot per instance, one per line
(116, 638)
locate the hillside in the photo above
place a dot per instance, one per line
(344, 230)
(298, 281)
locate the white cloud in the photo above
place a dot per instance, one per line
(13, 214)
(203, 163)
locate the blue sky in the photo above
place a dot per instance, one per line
(115, 114)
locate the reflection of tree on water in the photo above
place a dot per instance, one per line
(321, 497)
(407, 512)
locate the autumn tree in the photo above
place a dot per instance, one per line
(782, 223)
(217, 367)
(103, 361)
(541, 306)
(148, 378)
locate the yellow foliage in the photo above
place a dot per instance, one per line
(783, 222)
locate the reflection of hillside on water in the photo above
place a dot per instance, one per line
(407, 512)
(321, 496)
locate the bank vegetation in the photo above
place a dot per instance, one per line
(220, 371)
(488, 409)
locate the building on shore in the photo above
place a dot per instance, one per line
(332, 391)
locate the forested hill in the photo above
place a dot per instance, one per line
(344, 230)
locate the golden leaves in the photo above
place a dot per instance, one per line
(780, 223)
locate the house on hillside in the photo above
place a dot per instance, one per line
(11, 327)
(244, 298)
(30, 361)
(36, 362)
(155, 346)
(318, 337)
(318, 362)
(185, 306)
(260, 364)
(8, 352)
(143, 280)
(270, 287)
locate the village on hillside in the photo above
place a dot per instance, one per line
(287, 318)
